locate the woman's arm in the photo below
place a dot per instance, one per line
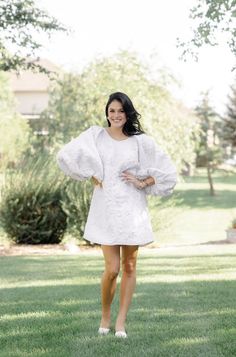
(79, 158)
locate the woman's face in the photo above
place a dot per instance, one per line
(116, 114)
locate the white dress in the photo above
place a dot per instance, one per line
(118, 212)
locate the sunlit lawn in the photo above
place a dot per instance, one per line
(199, 217)
(184, 305)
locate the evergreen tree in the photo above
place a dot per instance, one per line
(209, 152)
(229, 123)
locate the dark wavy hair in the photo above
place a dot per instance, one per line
(132, 125)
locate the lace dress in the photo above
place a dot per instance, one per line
(118, 212)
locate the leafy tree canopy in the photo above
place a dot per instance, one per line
(211, 20)
(14, 130)
(20, 22)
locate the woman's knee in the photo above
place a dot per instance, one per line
(129, 266)
(112, 261)
(129, 259)
(112, 272)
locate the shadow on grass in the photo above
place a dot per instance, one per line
(166, 319)
(185, 318)
(219, 176)
(42, 268)
(201, 199)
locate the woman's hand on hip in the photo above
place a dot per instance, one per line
(128, 177)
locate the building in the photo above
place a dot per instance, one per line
(32, 90)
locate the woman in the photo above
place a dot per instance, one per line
(125, 165)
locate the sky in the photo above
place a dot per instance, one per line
(103, 27)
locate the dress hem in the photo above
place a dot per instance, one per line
(112, 244)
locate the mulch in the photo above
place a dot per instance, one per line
(11, 249)
(45, 249)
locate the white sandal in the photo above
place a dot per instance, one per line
(121, 334)
(103, 331)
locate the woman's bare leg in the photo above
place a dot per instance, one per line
(128, 282)
(108, 284)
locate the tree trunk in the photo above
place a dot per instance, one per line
(210, 180)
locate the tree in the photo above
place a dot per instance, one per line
(78, 101)
(211, 19)
(14, 130)
(229, 122)
(20, 21)
(209, 152)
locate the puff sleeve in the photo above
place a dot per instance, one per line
(156, 163)
(80, 159)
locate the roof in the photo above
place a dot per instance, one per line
(31, 81)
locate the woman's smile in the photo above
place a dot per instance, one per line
(116, 113)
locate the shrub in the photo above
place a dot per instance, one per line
(31, 208)
(76, 199)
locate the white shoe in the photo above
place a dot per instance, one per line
(121, 334)
(103, 331)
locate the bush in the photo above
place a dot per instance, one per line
(76, 199)
(31, 208)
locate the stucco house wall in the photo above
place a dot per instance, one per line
(32, 90)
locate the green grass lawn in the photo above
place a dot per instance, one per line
(184, 305)
(197, 216)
